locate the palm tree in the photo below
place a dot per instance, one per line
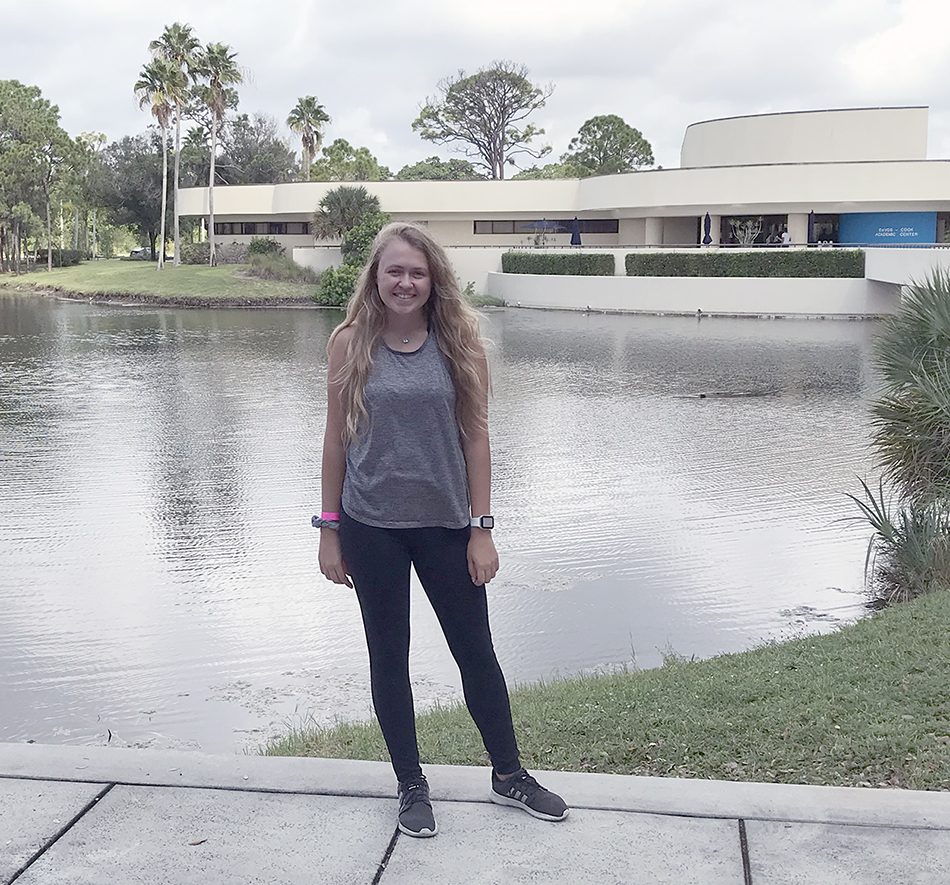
(910, 417)
(307, 120)
(217, 69)
(156, 80)
(179, 46)
(343, 208)
(195, 147)
(909, 552)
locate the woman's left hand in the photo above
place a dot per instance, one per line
(482, 557)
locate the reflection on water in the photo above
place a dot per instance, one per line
(159, 468)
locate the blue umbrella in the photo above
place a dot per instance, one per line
(811, 226)
(707, 227)
(575, 232)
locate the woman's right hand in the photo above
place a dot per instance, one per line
(331, 558)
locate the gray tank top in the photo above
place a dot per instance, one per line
(406, 468)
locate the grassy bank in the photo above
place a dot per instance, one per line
(867, 706)
(140, 281)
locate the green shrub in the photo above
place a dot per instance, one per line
(264, 246)
(358, 240)
(337, 285)
(61, 257)
(271, 266)
(909, 551)
(767, 263)
(563, 263)
(231, 253)
(195, 253)
(224, 253)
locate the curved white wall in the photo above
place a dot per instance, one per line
(922, 185)
(832, 136)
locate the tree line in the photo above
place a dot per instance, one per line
(199, 138)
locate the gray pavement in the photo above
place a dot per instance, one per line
(102, 816)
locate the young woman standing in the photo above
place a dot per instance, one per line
(407, 481)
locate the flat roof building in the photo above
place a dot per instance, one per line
(851, 176)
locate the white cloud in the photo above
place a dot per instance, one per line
(660, 66)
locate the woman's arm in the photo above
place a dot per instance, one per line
(482, 556)
(334, 464)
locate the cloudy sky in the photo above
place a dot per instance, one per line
(659, 65)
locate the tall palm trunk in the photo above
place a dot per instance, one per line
(161, 235)
(214, 148)
(49, 236)
(176, 261)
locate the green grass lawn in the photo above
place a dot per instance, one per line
(188, 284)
(866, 706)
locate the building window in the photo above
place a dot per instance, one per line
(262, 228)
(548, 225)
(598, 226)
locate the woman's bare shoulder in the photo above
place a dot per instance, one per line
(341, 338)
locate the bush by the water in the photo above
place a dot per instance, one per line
(264, 246)
(836, 263)
(358, 240)
(562, 263)
(276, 266)
(337, 285)
(909, 552)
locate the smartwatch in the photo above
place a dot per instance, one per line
(482, 522)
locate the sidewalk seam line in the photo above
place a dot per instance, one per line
(61, 832)
(744, 848)
(389, 853)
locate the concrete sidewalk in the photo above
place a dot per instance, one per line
(81, 815)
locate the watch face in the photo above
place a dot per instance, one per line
(488, 522)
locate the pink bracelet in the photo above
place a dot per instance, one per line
(335, 517)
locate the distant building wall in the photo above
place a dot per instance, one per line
(712, 295)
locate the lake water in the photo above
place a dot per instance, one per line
(158, 573)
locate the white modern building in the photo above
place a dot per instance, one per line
(855, 176)
(862, 172)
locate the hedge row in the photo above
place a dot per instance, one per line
(569, 264)
(224, 253)
(61, 257)
(773, 263)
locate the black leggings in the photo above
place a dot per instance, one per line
(378, 560)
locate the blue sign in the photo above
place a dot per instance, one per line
(882, 228)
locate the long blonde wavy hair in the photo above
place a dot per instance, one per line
(453, 321)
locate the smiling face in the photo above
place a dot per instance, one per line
(402, 278)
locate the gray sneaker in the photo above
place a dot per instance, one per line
(415, 809)
(523, 791)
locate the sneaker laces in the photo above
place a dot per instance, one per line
(413, 791)
(525, 783)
